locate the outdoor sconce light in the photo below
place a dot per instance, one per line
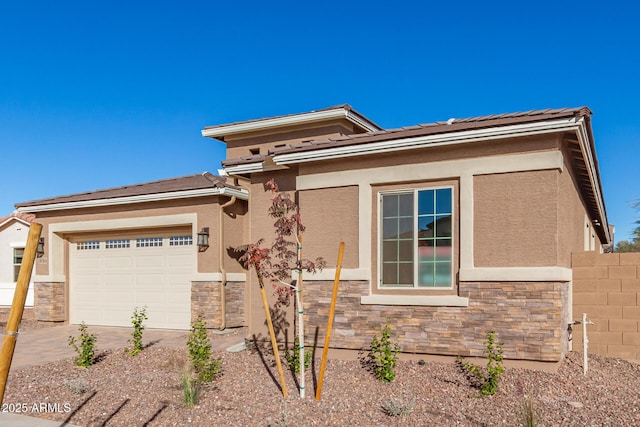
(203, 239)
(40, 247)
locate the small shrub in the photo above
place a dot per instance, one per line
(190, 388)
(293, 357)
(206, 368)
(397, 407)
(488, 378)
(384, 355)
(528, 415)
(282, 420)
(84, 346)
(137, 320)
(76, 386)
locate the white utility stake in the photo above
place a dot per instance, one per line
(585, 341)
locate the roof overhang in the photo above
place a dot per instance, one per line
(13, 218)
(296, 119)
(402, 144)
(225, 191)
(575, 125)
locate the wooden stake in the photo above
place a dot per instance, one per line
(17, 307)
(272, 334)
(332, 311)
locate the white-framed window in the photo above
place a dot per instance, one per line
(18, 254)
(88, 245)
(181, 240)
(147, 242)
(416, 241)
(117, 244)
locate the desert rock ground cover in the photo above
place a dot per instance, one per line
(145, 390)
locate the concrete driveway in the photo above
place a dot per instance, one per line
(39, 346)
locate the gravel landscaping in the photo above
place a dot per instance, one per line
(145, 390)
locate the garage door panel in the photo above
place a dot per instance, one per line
(150, 261)
(123, 261)
(107, 284)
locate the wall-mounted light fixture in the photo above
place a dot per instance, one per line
(40, 247)
(203, 239)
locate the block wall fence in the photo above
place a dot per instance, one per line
(607, 288)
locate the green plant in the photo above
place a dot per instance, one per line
(396, 407)
(190, 388)
(293, 356)
(528, 415)
(137, 320)
(206, 368)
(384, 355)
(84, 346)
(488, 378)
(76, 386)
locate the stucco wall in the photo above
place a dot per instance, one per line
(205, 209)
(241, 145)
(13, 234)
(516, 219)
(330, 216)
(571, 217)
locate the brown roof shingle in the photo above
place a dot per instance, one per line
(185, 183)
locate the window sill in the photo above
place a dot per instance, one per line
(434, 301)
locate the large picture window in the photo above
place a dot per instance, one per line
(417, 238)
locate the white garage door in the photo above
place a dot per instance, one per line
(112, 276)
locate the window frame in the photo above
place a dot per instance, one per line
(414, 189)
(17, 266)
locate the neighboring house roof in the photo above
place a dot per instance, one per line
(204, 184)
(343, 111)
(25, 218)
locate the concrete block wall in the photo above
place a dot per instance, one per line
(531, 319)
(607, 288)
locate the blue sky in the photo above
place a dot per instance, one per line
(102, 94)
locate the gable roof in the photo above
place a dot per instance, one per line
(343, 111)
(24, 218)
(197, 185)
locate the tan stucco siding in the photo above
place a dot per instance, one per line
(205, 211)
(263, 141)
(330, 216)
(515, 219)
(572, 218)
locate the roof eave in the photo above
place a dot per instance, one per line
(219, 132)
(578, 124)
(451, 138)
(225, 191)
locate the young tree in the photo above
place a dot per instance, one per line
(279, 262)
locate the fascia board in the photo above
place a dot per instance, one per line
(429, 140)
(277, 122)
(241, 194)
(585, 146)
(13, 218)
(245, 168)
